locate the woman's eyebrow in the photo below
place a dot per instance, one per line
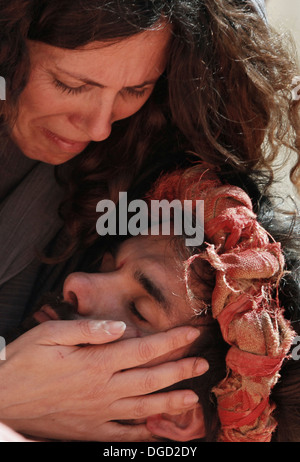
(97, 84)
(153, 290)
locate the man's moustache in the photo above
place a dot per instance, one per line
(61, 309)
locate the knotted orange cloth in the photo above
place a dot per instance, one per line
(248, 265)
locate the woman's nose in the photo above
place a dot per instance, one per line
(98, 126)
(95, 122)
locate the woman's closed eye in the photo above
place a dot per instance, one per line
(67, 89)
(80, 89)
(136, 93)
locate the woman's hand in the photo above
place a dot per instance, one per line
(54, 387)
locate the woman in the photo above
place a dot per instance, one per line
(195, 104)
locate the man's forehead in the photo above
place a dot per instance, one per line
(148, 247)
(154, 257)
(157, 255)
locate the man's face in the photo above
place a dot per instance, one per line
(74, 96)
(140, 282)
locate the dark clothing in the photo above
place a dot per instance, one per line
(29, 201)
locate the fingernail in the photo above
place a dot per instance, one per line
(114, 327)
(190, 399)
(192, 335)
(110, 327)
(202, 366)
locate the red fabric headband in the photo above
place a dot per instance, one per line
(248, 266)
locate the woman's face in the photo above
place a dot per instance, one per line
(74, 96)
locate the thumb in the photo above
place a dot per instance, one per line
(82, 331)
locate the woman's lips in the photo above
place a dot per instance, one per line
(65, 144)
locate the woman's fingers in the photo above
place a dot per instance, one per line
(122, 355)
(136, 352)
(82, 331)
(171, 402)
(101, 379)
(152, 379)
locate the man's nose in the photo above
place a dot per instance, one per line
(79, 290)
(98, 296)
